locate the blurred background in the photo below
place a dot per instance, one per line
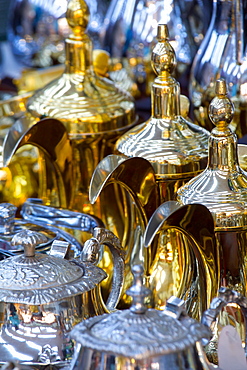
(32, 34)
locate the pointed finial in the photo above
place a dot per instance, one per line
(138, 291)
(221, 108)
(163, 58)
(77, 16)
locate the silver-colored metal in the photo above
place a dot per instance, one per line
(47, 232)
(133, 338)
(33, 210)
(91, 252)
(43, 296)
(7, 215)
(225, 296)
(59, 248)
(41, 278)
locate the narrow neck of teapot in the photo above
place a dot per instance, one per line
(222, 150)
(78, 53)
(165, 97)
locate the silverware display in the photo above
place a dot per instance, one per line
(121, 233)
(226, 39)
(140, 337)
(47, 221)
(43, 295)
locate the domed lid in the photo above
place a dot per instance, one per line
(140, 332)
(83, 101)
(222, 186)
(40, 278)
(174, 146)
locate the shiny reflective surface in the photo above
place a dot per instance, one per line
(150, 163)
(222, 54)
(42, 296)
(20, 179)
(10, 226)
(129, 34)
(222, 188)
(187, 256)
(139, 337)
(132, 181)
(92, 114)
(175, 147)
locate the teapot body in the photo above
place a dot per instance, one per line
(39, 334)
(91, 360)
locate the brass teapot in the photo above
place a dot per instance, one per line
(82, 116)
(151, 161)
(43, 295)
(222, 188)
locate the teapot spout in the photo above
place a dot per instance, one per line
(50, 137)
(187, 254)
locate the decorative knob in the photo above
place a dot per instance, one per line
(221, 109)
(7, 216)
(77, 17)
(29, 240)
(138, 291)
(163, 58)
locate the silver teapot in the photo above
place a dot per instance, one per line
(140, 338)
(147, 339)
(42, 296)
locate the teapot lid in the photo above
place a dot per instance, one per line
(222, 186)
(41, 278)
(174, 146)
(83, 101)
(140, 332)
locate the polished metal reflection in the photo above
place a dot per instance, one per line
(10, 226)
(92, 114)
(222, 187)
(42, 296)
(176, 148)
(187, 257)
(151, 161)
(222, 54)
(129, 33)
(139, 337)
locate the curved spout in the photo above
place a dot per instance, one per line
(196, 223)
(135, 174)
(50, 136)
(130, 183)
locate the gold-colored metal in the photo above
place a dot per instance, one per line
(92, 111)
(174, 150)
(187, 258)
(222, 187)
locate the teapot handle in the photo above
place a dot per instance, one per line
(34, 210)
(91, 252)
(225, 296)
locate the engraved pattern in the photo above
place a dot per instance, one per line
(138, 336)
(43, 279)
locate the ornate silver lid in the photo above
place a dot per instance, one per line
(40, 278)
(222, 186)
(140, 332)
